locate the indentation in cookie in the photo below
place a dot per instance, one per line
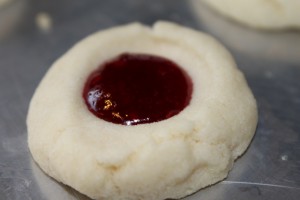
(134, 89)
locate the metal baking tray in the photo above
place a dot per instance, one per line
(33, 34)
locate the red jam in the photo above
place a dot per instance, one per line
(137, 88)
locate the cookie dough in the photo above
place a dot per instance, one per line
(264, 14)
(166, 159)
(280, 46)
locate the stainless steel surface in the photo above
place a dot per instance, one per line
(270, 169)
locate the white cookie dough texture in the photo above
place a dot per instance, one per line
(264, 14)
(167, 159)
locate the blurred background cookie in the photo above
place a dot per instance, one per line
(280, 46)
(264, 14)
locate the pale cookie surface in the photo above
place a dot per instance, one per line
(265, 14)
(167, 159)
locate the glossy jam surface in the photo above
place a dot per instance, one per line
(134, 89)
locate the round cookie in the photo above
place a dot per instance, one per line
(171, 158)
(264, 14)
(281, 46)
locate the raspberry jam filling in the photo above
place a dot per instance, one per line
(134, 89)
